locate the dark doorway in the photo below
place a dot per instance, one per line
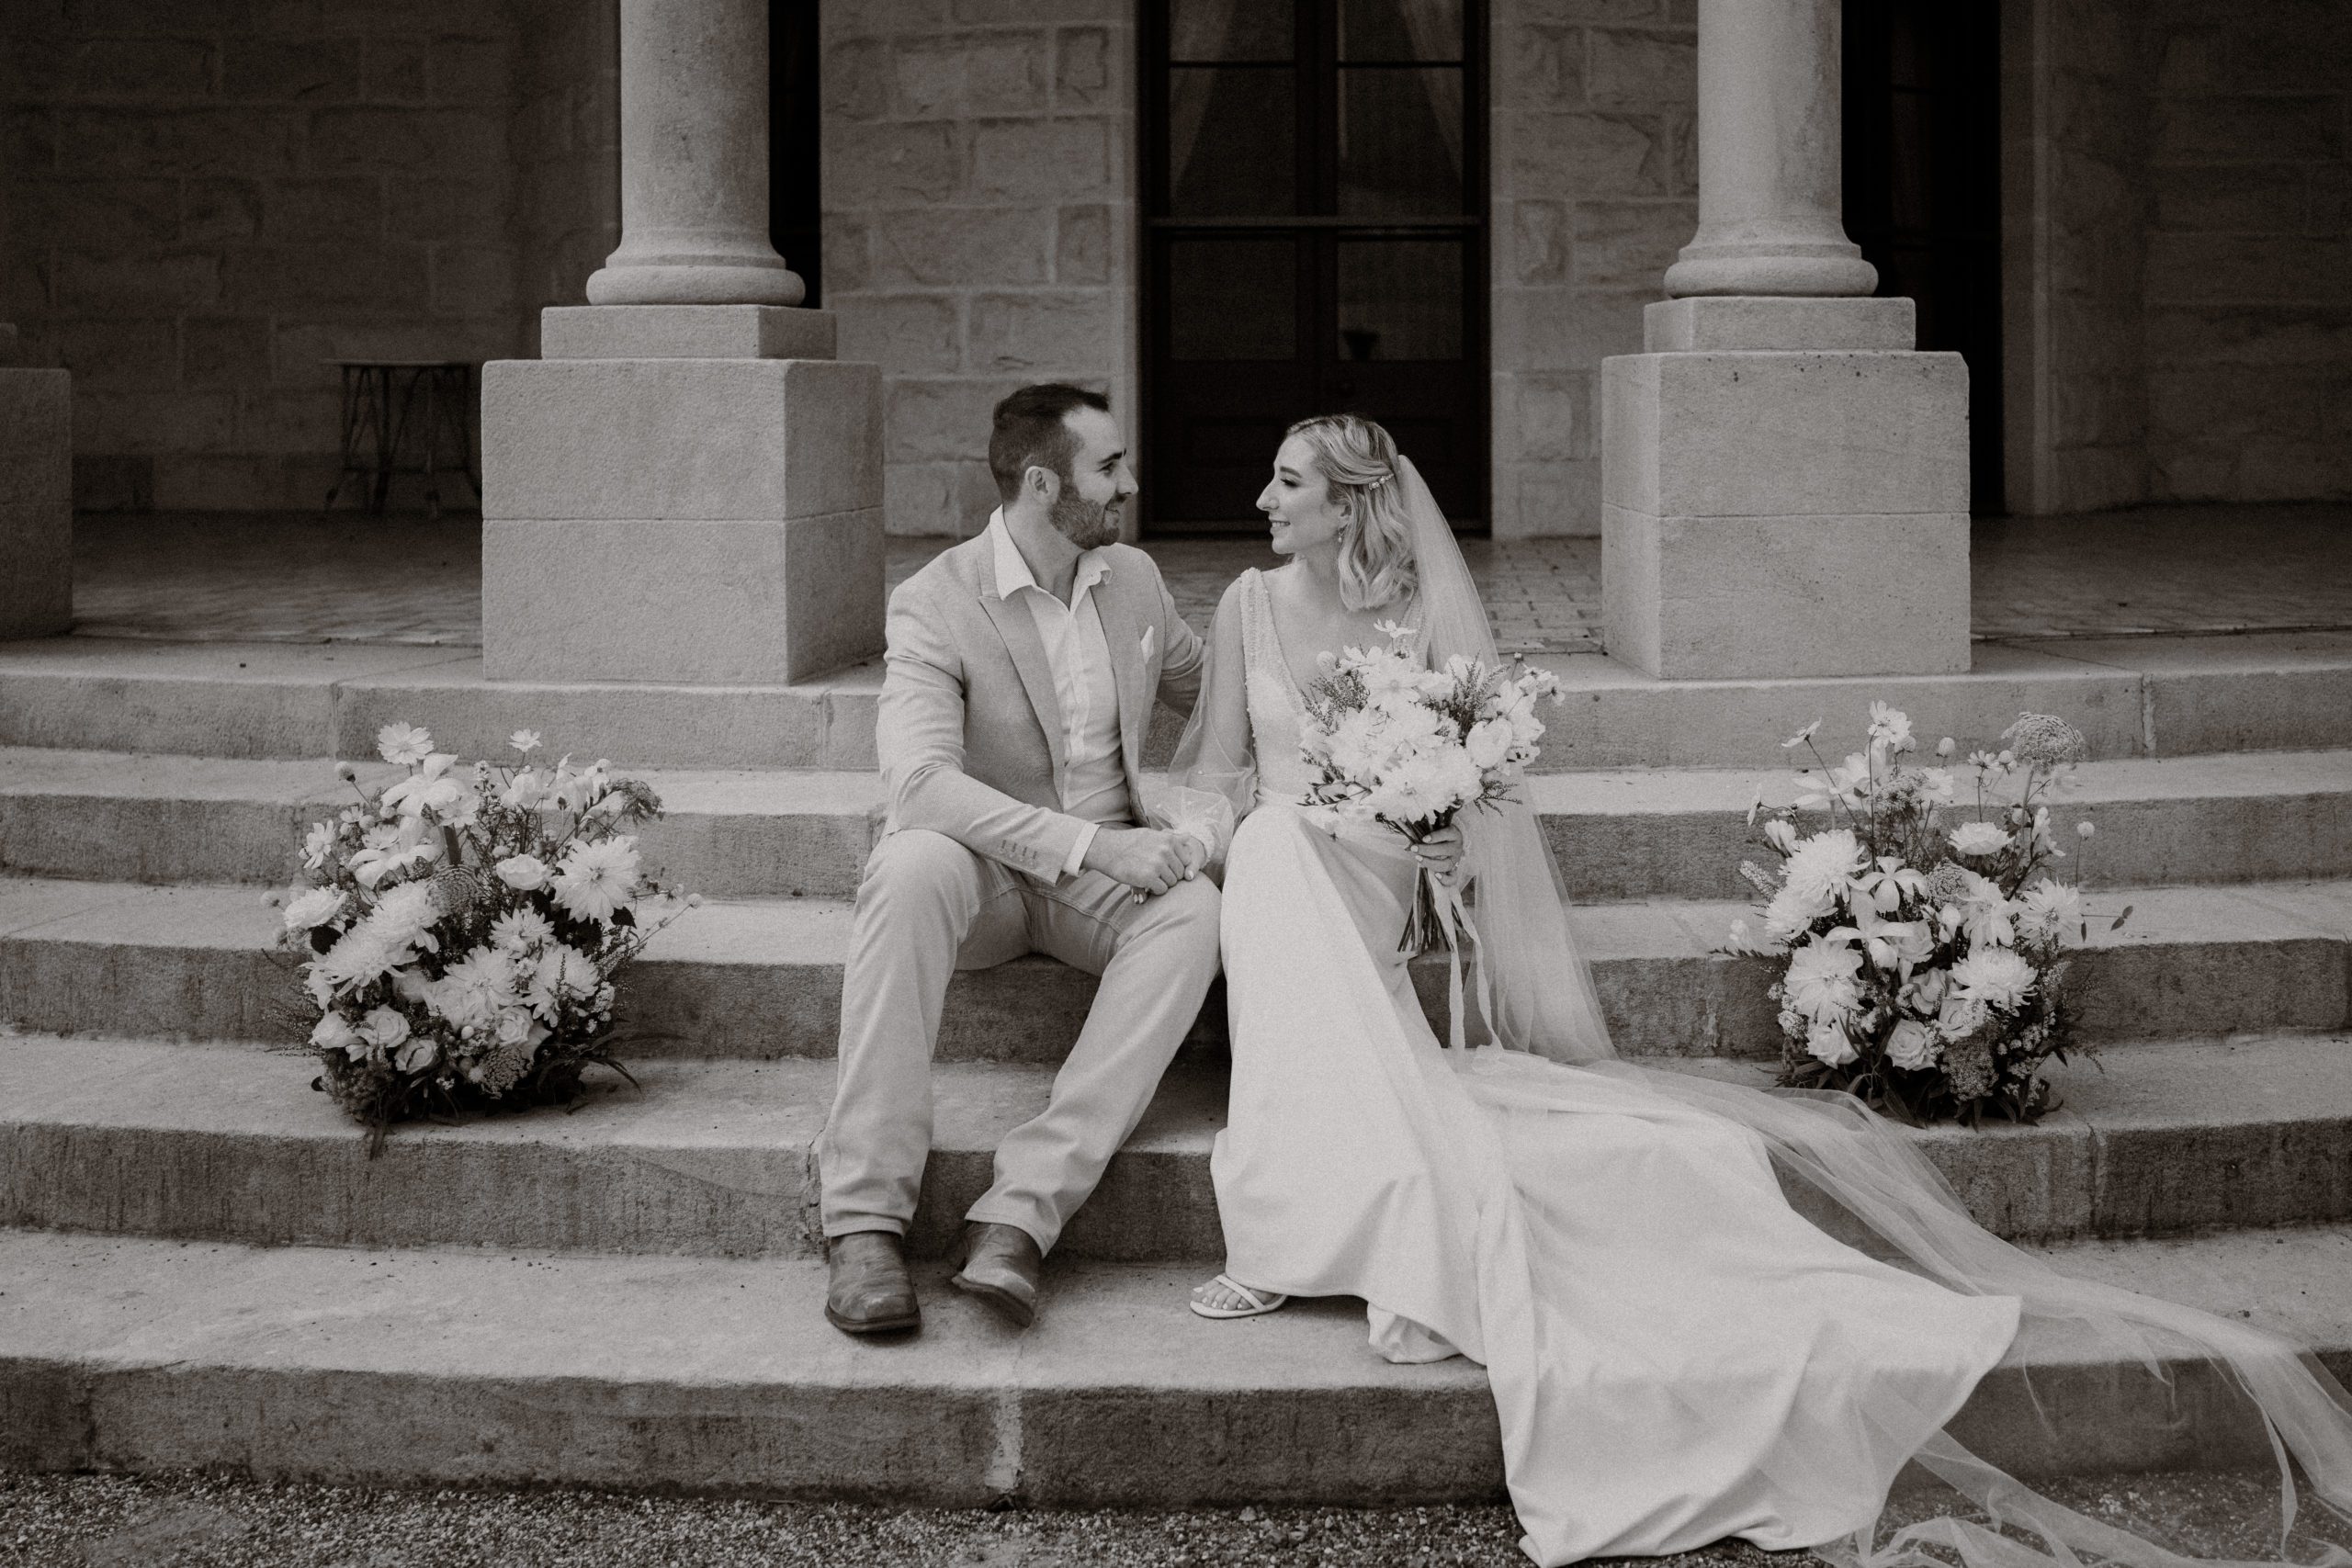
(1923, 192)
(796, 205)
(1315, 195)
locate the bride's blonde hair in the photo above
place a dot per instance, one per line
(1358, 461)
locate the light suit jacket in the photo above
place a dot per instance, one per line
(969, 731)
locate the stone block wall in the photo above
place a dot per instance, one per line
(979, 222)
(2248, 326)
(565, 142)
(211, 197)
(1594, 188)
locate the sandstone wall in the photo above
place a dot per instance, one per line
(211, 197)
(1594, 188)
(980, 225)
(2248, 327)
(565, 142)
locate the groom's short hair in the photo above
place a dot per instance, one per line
(1032, 426)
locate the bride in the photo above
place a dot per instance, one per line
(1677, 1354)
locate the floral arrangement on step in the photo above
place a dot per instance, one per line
(462, 927)
(1395, 742)
(1922, 938)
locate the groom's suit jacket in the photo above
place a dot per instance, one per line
(969, 732)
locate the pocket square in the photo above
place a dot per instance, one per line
(1150, 643)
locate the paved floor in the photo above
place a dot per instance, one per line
(295, 577)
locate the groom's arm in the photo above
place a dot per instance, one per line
(919, 737)
(1180, 671)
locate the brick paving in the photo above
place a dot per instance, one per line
(290, 577)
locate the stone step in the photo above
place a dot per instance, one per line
(438, 1367)
(712, 1158)
(2134, 697)
(762, 978)
(2228, 817)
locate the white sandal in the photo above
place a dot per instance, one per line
(1260, 1302)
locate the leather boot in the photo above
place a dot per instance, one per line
(1000, 1267)
(870, 1291)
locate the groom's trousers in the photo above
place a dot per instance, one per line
(929, 906)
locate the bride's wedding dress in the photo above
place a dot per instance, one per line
(1677, 1354)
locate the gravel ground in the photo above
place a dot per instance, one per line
(187, 1520)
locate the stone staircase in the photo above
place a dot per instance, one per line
(200, 1267)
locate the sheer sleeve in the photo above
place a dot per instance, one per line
(1213, 779)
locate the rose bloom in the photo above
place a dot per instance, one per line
(1912, 1046)
(524, 873)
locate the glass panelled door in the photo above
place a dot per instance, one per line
(1316, 194)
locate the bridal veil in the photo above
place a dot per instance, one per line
(1854, 1175)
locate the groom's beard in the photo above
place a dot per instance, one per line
(1086, 524)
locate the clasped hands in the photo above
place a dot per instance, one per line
(1149, 859)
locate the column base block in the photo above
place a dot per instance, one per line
(1730, 598)
(679, 602)
(697, 521)
(1771, 514)
(1712, 321)
(36, 503)
(686, 332)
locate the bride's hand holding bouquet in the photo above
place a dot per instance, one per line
(1410, 748)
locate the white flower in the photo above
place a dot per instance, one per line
(525, 740)
(1912, 1046)
(1925, 993)
(1780, 833)
(520, 930)
(1394, 631)
(1826, 1041)
(2047, 908)
(1890, 727)
(1739, 934)
(312, 907)
(384, 1027)
(524, 873)
(332, 1032)
(1801, 737)
(318, 844)
(388, 936)
(436, 789)
(404, 744)
(1959, 1018)
(562, 974)
(1935, 787)
(1823, 866)
(2085, 829)
(1947, 746)
(1993, 976)
(514, 1026)
(595, 879)
(418, 1053)
(1979, 838)
(1821, 981)
(1489, 742)
(385, 856)
(1791, 910)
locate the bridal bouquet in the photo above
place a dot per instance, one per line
(1409, 748)
(462, 927)
(1923, 953)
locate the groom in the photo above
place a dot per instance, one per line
(1019, 680)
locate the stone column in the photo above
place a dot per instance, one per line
(1770, 157)
(1784, 480)
(36, 485)
(694, 160)
(686, 487)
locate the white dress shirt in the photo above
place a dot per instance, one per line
(1095, 776)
